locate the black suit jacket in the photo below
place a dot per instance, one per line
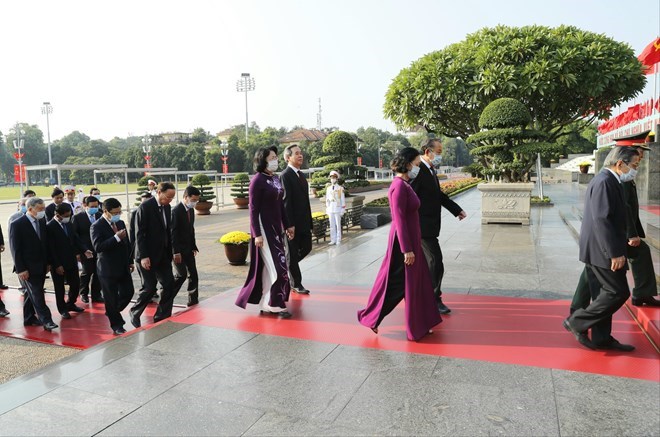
(183, 230)
(50, 210)
(63, 248)
(432, 199)
(296, 201)
(113, 257)
(603, 231)
(81, 226)
(634, 226)
(28, 250)
(152, 236)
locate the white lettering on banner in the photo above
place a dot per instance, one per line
(635, 127)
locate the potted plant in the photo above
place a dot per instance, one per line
(584, 167)
(236, 245)
(508, 151)
(203, 183)
(320, 223)
(240, 190)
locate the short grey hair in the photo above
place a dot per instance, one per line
(619, 153)
(288, 150)
(34, 201)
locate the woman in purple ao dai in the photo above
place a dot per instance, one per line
(267, 283)
(404, 273)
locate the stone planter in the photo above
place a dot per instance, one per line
(241, 202)
(353, 201)
(505, 203)
(203, 208)
(382, 210)
(236, 253)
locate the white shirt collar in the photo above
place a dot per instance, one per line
(615, 175)
(294, 169)
(427, 164)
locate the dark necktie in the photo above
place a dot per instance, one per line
(66, 231)
(188, 214)
(302, 178)
(114, 227)
(37, 228)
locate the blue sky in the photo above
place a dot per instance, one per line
(132, 67)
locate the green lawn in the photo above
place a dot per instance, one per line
(13, 193)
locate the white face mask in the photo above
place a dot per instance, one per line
(191, 204)
(41, 214)
(333, 181)
(272, 165)
(437, 160)
(65, 220)
(627, 177)
(413, 172)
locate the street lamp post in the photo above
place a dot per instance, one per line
(19, 143)
(48, 109)
(146, 148)
(243, 85)
(380, 161)
(359, 158)
(224, 149)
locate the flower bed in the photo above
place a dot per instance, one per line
(450, 188)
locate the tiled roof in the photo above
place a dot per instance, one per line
(303, 135)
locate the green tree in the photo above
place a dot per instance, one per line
(340, 144)
(36, 152)
(559, 73)
(7, 160)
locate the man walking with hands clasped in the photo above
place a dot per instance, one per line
(184, 245)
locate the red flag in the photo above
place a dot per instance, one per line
(650, 56)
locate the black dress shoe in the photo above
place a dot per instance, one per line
(49, 326)
(648, 301)
(284, 315)
(615, 345)
(3, 287)
(443, 309)
(4, 312)
(192, 301)
(300, 290)
(33, 322)
(76, 309)
(135, 321)
(66, 316)
(84, 298)
(98, 300)
(118, 331)
(581, 337)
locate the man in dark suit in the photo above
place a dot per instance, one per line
(64, 249)
(82, 222)
(603, 245)
(153, 252)
(430, 210)
(184, 245)
(27, 236)
(299, 215)
(58, 198)
(114, 264)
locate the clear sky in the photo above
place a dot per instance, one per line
(115, 68)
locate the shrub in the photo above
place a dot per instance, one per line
(325, 160)
(203, 182)
(240, 186)
(340, 144)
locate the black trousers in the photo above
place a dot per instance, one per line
(71, 276)
(611, 296)
(187, 269)
(89, 278)
(159, 273)
(297, 250)
(34, 302)
(588, 286)
(396, 282)
(117, 293)
(2, 304)
(433, 255)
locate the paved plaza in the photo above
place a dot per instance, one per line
(215, 370)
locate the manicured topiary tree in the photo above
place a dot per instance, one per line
(340, 144)
(505, 145)
(240, 186)
(203, 183)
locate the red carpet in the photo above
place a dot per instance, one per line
(499, 329)
(82, 331)
(653, 209)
